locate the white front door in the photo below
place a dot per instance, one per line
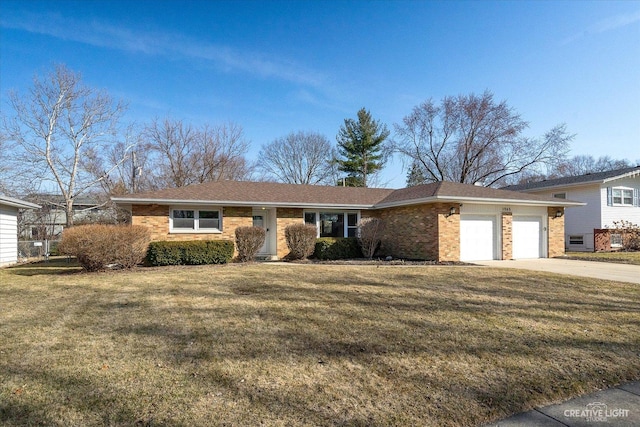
(477, 237)
(526, 237)
(261, 219)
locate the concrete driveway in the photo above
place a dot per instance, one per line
(597, 270)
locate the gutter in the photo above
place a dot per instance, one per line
(179, 202)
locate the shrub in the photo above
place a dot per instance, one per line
(97, 246)
(369, 235)
(190, 252)
(301, 240)
(330, 248)
(249, 240)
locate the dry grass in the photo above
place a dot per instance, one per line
(615, 257)
(305, 344)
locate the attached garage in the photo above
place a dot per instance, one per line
(477, 237)
(527, 237)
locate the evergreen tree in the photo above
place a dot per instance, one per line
(360, 143)
(416, 175)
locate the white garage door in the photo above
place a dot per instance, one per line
(477, 237)
(526, 237)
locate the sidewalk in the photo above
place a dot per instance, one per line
(615, 407)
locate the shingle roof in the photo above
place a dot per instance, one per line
(283, 195)
(456, 191)
(268, 192)
(573, 180)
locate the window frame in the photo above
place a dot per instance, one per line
(196, 220)
(618, 237)
(345, 220)
(622, 197)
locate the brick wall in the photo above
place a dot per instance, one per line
(156, 218)
(507, 235)
(448, 231)
(556, 232)
(284, 218)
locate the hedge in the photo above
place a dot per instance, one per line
(190, 252)
(331, 248)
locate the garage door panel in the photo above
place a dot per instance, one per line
(477, 237)
(526, 235)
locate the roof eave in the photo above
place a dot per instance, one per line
(186, 202)
(631, 174)
(17, 203)
(481, 200)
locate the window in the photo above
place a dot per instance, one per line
(331, 224)
(352, 225)
(195, 220)
(616, 240)
(622, 197)
(576, 240)
(334, 224)
(560, 195)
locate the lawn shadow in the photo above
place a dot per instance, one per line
(57, 266)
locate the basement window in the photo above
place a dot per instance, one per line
(576, 240)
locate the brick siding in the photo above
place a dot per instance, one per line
(425, 231)
(284, 218)
(507, 235)
(555, 243)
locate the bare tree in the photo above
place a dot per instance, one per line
(584, 164)
(472, 139)
(184, 155)
(60, 130)
(299, 158)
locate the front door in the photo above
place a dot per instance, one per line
(261, 219)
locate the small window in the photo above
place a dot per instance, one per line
(616, 240)
(560, 195)
(352, 225)
(576, 240)
(622, 197)
(310, 218)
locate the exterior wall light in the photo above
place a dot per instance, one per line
(559, 213)
(452, 211)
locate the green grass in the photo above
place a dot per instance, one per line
(283, 345)
(615, 257)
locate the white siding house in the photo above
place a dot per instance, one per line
(609, 196)
(9, 228)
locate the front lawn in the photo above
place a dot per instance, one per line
(615, 257)
(305, 344)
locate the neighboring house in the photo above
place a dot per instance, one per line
(442, 221)
(48, 222)
(9, 208)
(609, 196)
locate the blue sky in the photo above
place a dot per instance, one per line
(276, 67)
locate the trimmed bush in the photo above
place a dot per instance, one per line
(97, 246)
(369, 233)
(249, 240)
(301, 240)
(332, 248)
(197, 252)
